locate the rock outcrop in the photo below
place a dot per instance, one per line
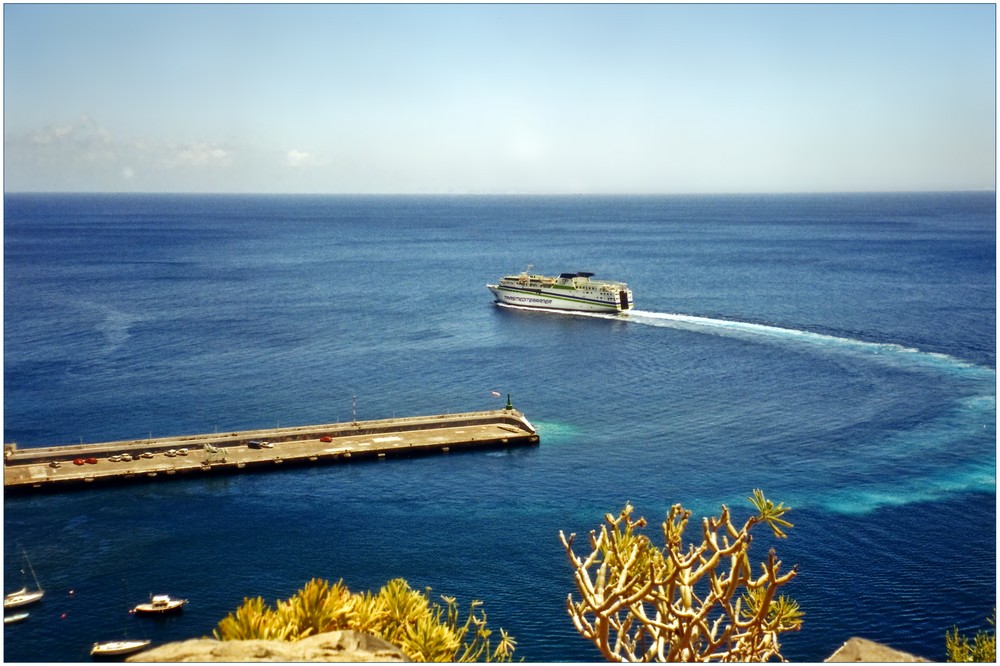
(862, 649)
(344, 646)
(354, 646)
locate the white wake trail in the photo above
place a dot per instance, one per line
(883, 351)
(974, 412)
(886, 351)
(970, 415)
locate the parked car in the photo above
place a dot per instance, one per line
(259, 444)
(326, 438)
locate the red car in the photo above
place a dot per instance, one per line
(78, 461)
(326, 438)
(91, 461)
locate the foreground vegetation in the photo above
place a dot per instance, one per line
(981, 649)
(423, 630)
(694, 602)
(698, 601)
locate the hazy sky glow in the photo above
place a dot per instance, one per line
(499, 98)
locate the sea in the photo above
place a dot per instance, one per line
(836, 351)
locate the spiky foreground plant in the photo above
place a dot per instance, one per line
(982, 648)
(682, 603)
(423, 630)
(254, 620)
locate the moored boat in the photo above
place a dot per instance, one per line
(159, 604)
(24, 596)
(15, 617)
(110, 649)
(572, 292)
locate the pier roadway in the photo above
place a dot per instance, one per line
(93, 465)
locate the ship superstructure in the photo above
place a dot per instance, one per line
(576, 292)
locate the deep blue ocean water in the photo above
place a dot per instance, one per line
(836, 351)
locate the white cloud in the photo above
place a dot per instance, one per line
(200, 154)
(84, 132)
(296, 159)
(52, 135)
(83, 155)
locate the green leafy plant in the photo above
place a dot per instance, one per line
(694, 602)
(982, 648)
(423, 630)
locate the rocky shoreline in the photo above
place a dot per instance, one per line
(354, 646)
(336, 646)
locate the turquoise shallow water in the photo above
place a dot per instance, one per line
(836, 351)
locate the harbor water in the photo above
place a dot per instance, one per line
(836, 351)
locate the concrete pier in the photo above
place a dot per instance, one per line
(155, 459)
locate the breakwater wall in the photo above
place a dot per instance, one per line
(55, 468)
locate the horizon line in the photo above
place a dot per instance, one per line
(508, 194)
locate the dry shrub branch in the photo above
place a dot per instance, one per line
(694, 602)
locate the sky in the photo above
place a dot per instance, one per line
(499, 98)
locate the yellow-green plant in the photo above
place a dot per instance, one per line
(694, 602)
(404, 606)
(423, 630)
(253, 620)
(982, 648)
(370, 612)
(316, 608)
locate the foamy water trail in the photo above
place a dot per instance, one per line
(890, 352)
(971, 418)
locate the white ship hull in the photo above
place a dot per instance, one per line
(569, 292)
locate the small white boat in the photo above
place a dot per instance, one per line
(115, 649)
(118, 648)
(16, 617)
(160, 604)
(572, 292)
(24, 596)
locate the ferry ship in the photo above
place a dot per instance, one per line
(572, 292)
